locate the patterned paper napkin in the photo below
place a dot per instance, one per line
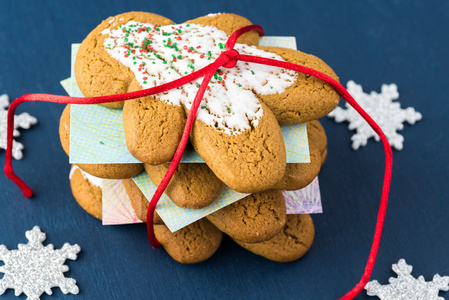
(117, 208)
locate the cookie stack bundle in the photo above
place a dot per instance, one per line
(236, 132)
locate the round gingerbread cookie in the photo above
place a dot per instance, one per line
(235, 132)
(87, 191)
(109, 171)
(192, 244)
(253, 219)
(193, 185)
(290, 244)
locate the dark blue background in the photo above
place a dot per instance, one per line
(371, 42)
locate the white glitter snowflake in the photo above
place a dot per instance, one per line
(34, 268)
(24, 120)
(406, 287)
(387, 114)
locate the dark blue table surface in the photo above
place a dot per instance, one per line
(370, 42)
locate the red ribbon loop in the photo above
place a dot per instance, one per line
(227, 59)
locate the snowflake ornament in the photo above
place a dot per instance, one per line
(387, 114)
(406, 287)
(34, 268)
(24, 120)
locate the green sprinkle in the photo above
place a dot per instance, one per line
(198, 86)
(126, 39)
(179, 56)
(188, 25)
(101, 143)
(203, 106)
(190, 65)
(221, 45)
(228, 109)
(252, 72)
(220, 78)
(144, 82)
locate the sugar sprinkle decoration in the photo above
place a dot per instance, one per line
(159, 54)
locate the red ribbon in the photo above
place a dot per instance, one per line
(227, 59)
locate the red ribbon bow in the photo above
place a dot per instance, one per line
(227, 59)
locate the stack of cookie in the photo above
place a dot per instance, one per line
(236, 131)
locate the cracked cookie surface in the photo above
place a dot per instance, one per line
(290, 244)
(192, 244)
(193, 185)
(255, 218)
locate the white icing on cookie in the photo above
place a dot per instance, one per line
(95, 181)
(159, 54)
(213, 14)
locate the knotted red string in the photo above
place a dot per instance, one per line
(227, 59)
